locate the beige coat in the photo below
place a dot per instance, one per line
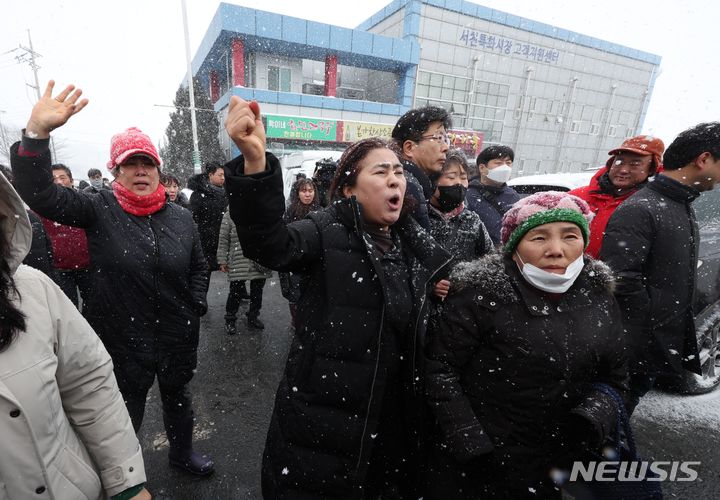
(230, 252)
(65, 431)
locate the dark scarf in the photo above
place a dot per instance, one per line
(139, 205)
(381, 238)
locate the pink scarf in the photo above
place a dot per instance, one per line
(139, 205)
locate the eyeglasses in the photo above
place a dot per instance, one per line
(441, 138)
(634, 164)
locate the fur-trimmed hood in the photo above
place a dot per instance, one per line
(491, 274)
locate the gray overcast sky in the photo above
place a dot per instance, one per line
(129, 56)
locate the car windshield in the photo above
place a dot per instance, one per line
(707, 207)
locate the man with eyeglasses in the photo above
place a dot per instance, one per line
(421, 136)
(651, 243)
(626, 171)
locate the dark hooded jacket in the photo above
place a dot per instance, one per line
(490, 203)
(208, 204)
(651, 243)
(149, 274)
(353, 365)
(509, 373)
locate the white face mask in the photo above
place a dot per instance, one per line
(552, 282)
(500, 174)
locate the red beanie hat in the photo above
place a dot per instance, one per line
(129, 143)
(645, 145)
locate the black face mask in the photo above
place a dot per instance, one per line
(451, 197)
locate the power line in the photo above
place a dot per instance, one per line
(29, 57)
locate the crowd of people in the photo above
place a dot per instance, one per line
(450, 336)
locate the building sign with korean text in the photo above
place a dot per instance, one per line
(355, 131)
(295, 127)
(502, 45)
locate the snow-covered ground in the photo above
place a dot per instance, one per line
(681, 410)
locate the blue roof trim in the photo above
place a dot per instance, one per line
(312, 101)
(382, 14)
(296, 37)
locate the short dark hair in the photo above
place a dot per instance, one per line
(412, 125)
(457, 156)
(167, 179)
(348, 167)
(691, 143)
(211, 167)
(493, 153)
(93, 172)
(60, 166)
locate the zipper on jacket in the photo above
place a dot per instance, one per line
(156, 256)
(372, 388)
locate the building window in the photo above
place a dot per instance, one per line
(612, 131)
(278, 79)
(594, 128)
(575, 127)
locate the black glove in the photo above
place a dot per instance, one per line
(468, 443)
(200, 307)
(581, 435)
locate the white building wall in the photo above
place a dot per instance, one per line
(553, 122)
(263, 60)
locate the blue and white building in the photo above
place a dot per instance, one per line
(561, 99)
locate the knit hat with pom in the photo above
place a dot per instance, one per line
(543, 208)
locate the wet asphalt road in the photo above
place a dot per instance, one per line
(235, 384)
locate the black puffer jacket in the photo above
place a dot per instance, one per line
(328, 405)
(149, 273)
(464, 235)
(419, 188)
(510, 370)
(479, 198)
(651, 243)
(208, 204)
(41, 254)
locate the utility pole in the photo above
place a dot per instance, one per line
(29, 57)
(193, 121)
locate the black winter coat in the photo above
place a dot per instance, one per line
(491, 213)
(464, 236)
(509, 374)
(149, 273)
(208, 204)
(41, 253)
(328, 403)
(420, 189)
(651, 243)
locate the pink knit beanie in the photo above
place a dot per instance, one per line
(543, 208)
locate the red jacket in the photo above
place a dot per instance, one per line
(603, 205)
(69, 244)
